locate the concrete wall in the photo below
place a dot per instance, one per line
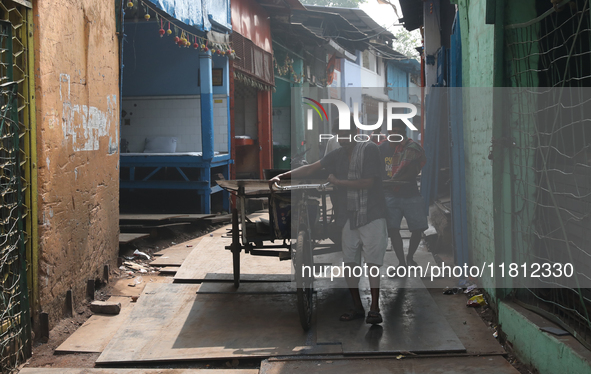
(77, 93)
(172, 116)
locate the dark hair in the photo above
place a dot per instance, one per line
(397, 123)
(352, 128)
(335, 125)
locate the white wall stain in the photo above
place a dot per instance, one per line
(48, 161)
(84, 125)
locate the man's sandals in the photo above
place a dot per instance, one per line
(352, 315)
(374, 318)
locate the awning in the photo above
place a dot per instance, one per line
(412, 11)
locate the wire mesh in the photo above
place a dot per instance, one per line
(14, 325)
(550, 157)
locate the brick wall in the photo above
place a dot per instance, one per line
(77, 103)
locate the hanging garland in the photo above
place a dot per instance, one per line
(287, 69)
(245, 79)
(184, 38)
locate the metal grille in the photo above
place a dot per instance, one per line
(15, 335)
(549, 142)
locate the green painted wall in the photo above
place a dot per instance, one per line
(511, 240)
(545, 352)
(477, 78)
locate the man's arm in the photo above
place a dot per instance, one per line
(302, 171)
(358, 184)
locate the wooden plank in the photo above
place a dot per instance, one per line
(171, 322)
(128, 237)
(94, 335)
(211, 257)
(149, 217)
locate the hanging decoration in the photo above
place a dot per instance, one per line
(184, 38)
(287, 69)
(245, 79)
(161, 31)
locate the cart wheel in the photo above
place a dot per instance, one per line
(304, 280)
(236, 248)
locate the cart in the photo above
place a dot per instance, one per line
(298, 226)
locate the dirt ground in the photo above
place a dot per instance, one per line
(43, 352)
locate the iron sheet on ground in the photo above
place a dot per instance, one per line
(135, 371)
(261, 288)
(125, 238)
(476, 336)
(412, 320)
(447, 365)
(172, 322)
(175, 255)
(148, 217)
(248, 278)
(211, 257)
(94, 335)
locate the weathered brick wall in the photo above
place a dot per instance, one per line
(77, 92)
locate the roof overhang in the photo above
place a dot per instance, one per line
(412, 12)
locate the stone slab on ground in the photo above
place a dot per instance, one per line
(105, 307)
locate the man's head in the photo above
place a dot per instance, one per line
(345, 137)
(398, 128)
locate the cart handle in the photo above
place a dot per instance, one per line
(321, 187)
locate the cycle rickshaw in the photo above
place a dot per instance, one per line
(299, 224)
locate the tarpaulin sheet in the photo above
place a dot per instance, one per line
(196, 13)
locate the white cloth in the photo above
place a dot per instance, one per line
(332, 144)
(371, 239)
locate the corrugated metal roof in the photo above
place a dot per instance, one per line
(358, 18)
(412, 12)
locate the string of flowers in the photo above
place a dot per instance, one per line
(245, 79)
(287, 69)
(184, 38)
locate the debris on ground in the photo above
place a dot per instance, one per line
(139, 253)
(476, 301)
(105, 307)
